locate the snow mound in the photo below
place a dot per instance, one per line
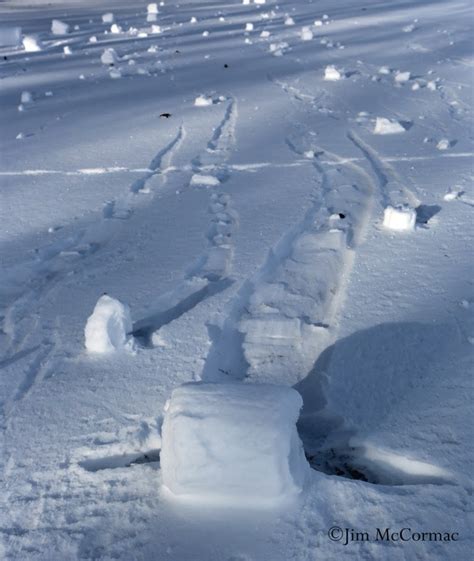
(203, 101)
(10, 36)
(31, 43)
(109, 56)
(400, 218)
(58, 27)
(386, 126)
(208, 180)
(108, 327)
(233, 443)
(306, 34)
(332, 74)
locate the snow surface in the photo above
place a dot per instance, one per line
(277, 270)
(233, 444)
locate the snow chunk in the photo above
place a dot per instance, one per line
(108, 17)
(208, 180)
(67, 50)
(109, 56)
(203, 101)
(289, 21)
(108, 326)
(443, 144)
(259, 1)
(233, 443)
(58, 27)
(306, 34)
(318, 23)
(402, 77)
(152, 8)
(31, 43)
(332, 74)
(249, 27)
(26, 97)
(114, 28)
(386, 126)
(10, 36)
(400, 218)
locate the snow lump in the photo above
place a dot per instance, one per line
(108, 327)
(233, 444)
(399, 218)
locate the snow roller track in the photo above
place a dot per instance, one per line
(283, 318)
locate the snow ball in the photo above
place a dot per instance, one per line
(10, 36)
(93, 39)
(204, 180)
(402, 77)
(318, 23)
(249, 27)
(21, 108)
(108, 327)
(415, 87)
(306, 34)
(152, 8)
(203, 101)
(205, 33)
(67, 50)
(19, 136)
(26, 97)
(443, 144)
(114, 28)
(452, 195)
(399, 218)
(109, 56)
(233, 443)
(31, 43)
(289, 21)
(387, 126)
(108, 17)
(325, 16)
(58, 27)
(193, 20)
(331, 73)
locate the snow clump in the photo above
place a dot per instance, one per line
(108, 328)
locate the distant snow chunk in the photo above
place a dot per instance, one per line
(443, 144)
(152, 8)
(402, 77)
(245, 2)
(26, 97)
(233, 443)
(409, 28)
(115, 73)
(155, 29)
(203, 101)
(109, 56)
(31, 43)
(151, 18)
(432, 86)
(108, 17)
(205, 33)
(386, 126)
(259, 1)
(108, 327)
(204, 180)
(10, 36)
(332, 74)
(249, 27)
(278, 49)
(193, 20)
(289, 21)
(384, 70)
(58, 27)
(114, 28)
(93, 39)
(265, 34)
(318, 23)
(306, 34)
(400, 218)
(67, 50)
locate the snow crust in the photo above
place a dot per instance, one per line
(235, 444)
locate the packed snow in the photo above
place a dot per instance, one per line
(275, 201)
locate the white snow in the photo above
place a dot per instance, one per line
(109, 56)
(402, 77)
(26, 97)
(67, 50)
(203, 101)
(108, 17)
(289, 21)
(249, 27)
(331, 73)
(234, 444)
(387, 126)
(443, 144)
(207, 180)
(108, 328)
(306, 34)
(400, 219)
(115, 28)
(10, 36)
(31, 43)
(59, 27)
(152, 8)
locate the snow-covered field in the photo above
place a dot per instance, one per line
(278, 192)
